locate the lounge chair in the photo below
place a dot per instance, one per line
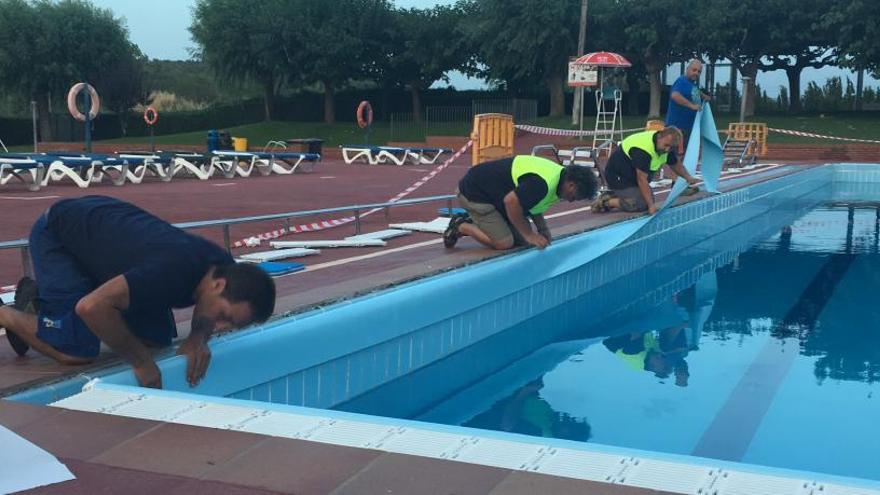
(27, 170)
(244, 163)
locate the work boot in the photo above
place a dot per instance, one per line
(451, 235)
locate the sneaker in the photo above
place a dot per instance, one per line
(690, 191)
(451, 235)
(25, 301)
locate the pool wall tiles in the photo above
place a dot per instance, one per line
(344, 377)
(855, 182)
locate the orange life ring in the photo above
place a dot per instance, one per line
(364, 121)
(75, 90)
(151, 116)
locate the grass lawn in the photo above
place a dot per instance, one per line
(860, 126)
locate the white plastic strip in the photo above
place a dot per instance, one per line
(7, 297)
(328, 244)
(437, 225)
(23, 465)
(381, 235)
(278, 254)
(666, 475)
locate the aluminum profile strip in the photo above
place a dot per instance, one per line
(592, 466)
(436, 226)
(668, 476)
(328, 243)
(278, 254)
(381, 235)
(500, 453)
(284, 425)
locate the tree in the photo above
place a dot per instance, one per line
(245, 41)
(423, 46)
(123, 87)
(525, 42)
(658, 32)
(340, 41)
(858, 33)
(44, 48)
(734, 29)
(804, 40)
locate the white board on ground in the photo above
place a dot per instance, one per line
(328, 244)
(437, 225)
(381, 235)
(7, 297)
(280, 254)
(23, 465)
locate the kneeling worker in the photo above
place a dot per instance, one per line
(108, 271)
(502, 195)
(633, 164)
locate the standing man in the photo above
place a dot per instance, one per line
(632, 165)
(108, 271)
(500, 196)
(685, 100)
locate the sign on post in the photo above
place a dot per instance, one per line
(580, 75)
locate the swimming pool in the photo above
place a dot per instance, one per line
(758, 320)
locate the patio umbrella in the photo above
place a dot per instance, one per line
(600, 60)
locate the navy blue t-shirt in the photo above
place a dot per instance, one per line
(678, 115)
(162, 264)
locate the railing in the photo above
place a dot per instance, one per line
(225, 224)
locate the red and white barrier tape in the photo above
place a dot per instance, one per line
(326, 224)
(821, 136)
(549, 131)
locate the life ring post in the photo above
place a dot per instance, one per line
(92, 107)
(151, 116)
(364, 116)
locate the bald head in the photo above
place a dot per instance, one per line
(694, 69)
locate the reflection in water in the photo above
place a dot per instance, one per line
(527, 413)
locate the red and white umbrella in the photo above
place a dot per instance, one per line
(603, 59)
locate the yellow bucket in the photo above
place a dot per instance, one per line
(239, 143)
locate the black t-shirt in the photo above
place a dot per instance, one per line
(490, 182)
(620, 172)
(161, 263)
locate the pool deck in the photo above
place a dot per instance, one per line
(114, 453)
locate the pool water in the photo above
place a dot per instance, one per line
(770, 356)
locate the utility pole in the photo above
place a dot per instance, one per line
(582, 41)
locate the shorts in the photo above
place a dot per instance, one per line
(489, 220)
(631, 199)
(61, 283)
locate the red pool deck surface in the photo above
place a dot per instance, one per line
(111, 454)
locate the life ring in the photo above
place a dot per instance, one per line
(364, 121)
(151, 116)
(75, 90)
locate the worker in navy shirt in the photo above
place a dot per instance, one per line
(108, 271)
(685, 100)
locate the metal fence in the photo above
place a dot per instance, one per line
(226, 224)
(404, 127)
(523, 111)
(448, 121)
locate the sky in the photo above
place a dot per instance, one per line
(160, 29)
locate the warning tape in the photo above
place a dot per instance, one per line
(549, 131)
(821, 136)
(327, 224)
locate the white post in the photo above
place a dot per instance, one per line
(577, 107)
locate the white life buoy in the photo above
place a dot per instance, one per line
(71, 101)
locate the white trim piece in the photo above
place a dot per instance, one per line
(328, 244)
(436, 226)
(381, 235)
(7, 297)
(278, 254)
(673, 475)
